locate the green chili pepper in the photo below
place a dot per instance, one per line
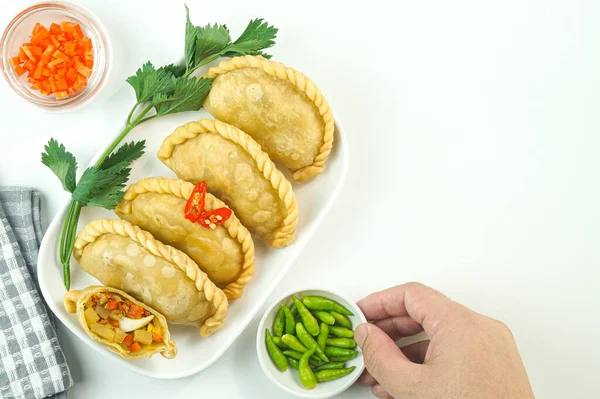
(341, 358)
(294, 309)
(307, 377)
(341, 319)
(325, 317)
(293, 343)
(347, 343)
(309, 321)
(309, 341)
(275, 353)
(322, 338)
(341, 332)
(333, 351)
(279, 323)
(330, 366)
(328, 375)
(290, 323)
(321, 303)
(279, 343)
(293, 363)
(315, 361)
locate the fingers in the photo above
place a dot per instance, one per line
(380, 393)
(399, 327)
(423, 304)
(416, 352)
(383, 359)
(366, 379)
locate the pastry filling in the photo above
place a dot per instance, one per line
(121, 321)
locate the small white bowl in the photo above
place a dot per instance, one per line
(288, 380)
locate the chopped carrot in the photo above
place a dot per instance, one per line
(29, 65)
(69, 48)
(36, 28)
(111, 304)
(36, 51)
(61, 84)
(55, 41)
(28, 53)
(87, 44)
(81, 81)
(135, 312)
(71, 75)
(156, 335)
(59, 60)
(55, 29)
(85, 71)
(55, 63)
(128, 340)
(78, 33)
(68, 26)
(135, 347)
(19, 70)
(52, 84)
(37, 73)
(60, 55)
(113, 322)
(22, 55)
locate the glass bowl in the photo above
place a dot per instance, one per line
(18, 32)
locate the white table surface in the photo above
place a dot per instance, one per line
(473, 131)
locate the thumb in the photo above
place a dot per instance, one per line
(383, 358)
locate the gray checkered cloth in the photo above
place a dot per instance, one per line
(32, 363)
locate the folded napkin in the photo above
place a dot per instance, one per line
(32, 363)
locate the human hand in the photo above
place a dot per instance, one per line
(468, 355)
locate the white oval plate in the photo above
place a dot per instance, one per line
(315, 198)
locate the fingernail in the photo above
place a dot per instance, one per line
(361, 334)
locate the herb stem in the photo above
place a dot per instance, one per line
(68, 239)
(188, 72)
(69, 230)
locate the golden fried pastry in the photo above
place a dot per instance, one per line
(225, 253)
(238, 172)
(283, 110)
(126, 257)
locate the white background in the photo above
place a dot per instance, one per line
(473, 131)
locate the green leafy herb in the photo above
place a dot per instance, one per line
(101, 187)
(210, 40)
(205, 44)
(166, 90)
(124, 156)
(257, 36)
(147, 81)
(188, 96)
(62, 163)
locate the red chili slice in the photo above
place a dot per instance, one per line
(215, 218)
(195, 204)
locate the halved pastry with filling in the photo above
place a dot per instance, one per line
(238, 172)
(121, 323)
(283, 110)
(124, 256)
(225, 253)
